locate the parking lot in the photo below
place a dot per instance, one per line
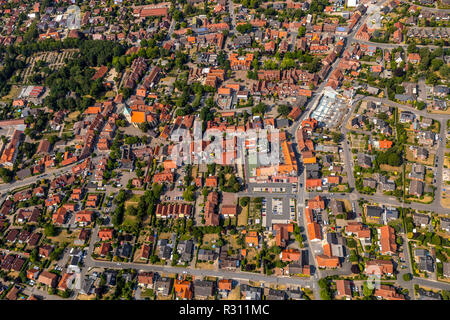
(277, 210)
(269, 189)
(277, 206)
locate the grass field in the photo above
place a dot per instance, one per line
(130, 220)
(445, 200)
(251, 255)
(347, 204)
(431, 110)
(63, 236)
(13, 94)
(110, 94)
(209, 240)
(446, 162)
(410, 157)
(205, 266)
(389, 168)
(73, 115)
(358, 142)
(235, 294)
(411, 136)
(134, 200)
(243, 216)
(86, 297)
(165, 235)
(426, 199)
(232, 240)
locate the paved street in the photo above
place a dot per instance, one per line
(47, 175)
(297, 192)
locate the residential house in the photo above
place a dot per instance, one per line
(387, 240)
(203, 288)
(421, 220)
(344, 289)
(276, 295)
(183, 289)
(251, 293)
(379, 267)
(146, 280)
(163, 286)
(388, 293)
(416, 188)
(48, 279)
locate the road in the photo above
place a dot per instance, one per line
(435, 206)
(395, 45)
(301, 194)
(312, 103)
(236, 275)
(232, 14)
(440, 153)
(5, 187)
(428, 8)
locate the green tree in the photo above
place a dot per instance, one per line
(66, 294)
(436, 240)
(336, 136)
(50, 230)
(284, 110)
(301, 31)
(325, 294)
(260, 108)
(6, 174)
(244, 201)
(188, 194)
(366, 290)
(244, 28)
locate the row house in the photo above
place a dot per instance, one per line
(173, 210)
(132, 76)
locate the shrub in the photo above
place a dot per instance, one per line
(407, 277)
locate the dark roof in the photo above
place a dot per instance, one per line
(374, 211)
(282, 123)
(276, 295)
(203, 288)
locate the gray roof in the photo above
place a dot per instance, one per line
(282, 123)
(203, 288)
(74, 261)
(337, 206)
(374, 211)
(416, 187)
(276, 295)
(164, 252)
(87, 286)
(22, 174)
(426, 264)
(205, 254)
(420, 219)
(446, 269)
(391, 213)
(428, 295)
(251, 293)
(187, 248)
(407, 116)
(312, 167)
(295, 294)
(364, 160)
(164, 285)
(445, 223)
(421, 252)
